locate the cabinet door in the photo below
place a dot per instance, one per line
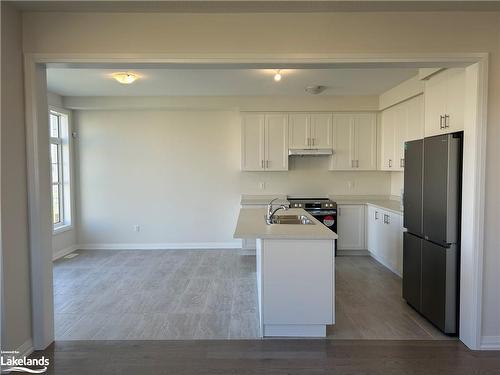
(455, 100)
(435, 103)
(343, 142)
(351, 227)
(365, 141)
(374, 218)
(252, 142)
(299, 130)
(387, 141)
(415, 126)
(276, 142)
(400, 135)
(394, 225)
(321, 130)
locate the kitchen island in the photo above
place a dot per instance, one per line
(295, 273)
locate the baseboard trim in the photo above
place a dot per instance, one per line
(162, 246)
(356, 253)
(383, 262)
(490, 343)
(26, 349)
(63, 252)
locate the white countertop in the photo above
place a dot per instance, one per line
(374, 200)
(381, 201)
(252, 224)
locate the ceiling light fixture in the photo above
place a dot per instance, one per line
(315, 90)
(277, 76)
(125, 78)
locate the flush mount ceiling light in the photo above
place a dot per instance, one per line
(277, 76)
(315, 90)
(125, 78)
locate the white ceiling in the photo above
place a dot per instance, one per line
(225, 82)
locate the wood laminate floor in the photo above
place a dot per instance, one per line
(291, 357)
(183, 295)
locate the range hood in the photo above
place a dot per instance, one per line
(310, 152)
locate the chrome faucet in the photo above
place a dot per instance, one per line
(270, 212)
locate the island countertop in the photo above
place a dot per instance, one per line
(251, 224)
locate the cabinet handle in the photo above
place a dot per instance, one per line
(441, 122)
(267, 163)
(339, 211)
(357, 163)
(402, 163)
(376, 215)
(390, 163)
(262, 164)
(313, 141)
(446, 121)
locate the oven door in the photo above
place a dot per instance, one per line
(327, 217)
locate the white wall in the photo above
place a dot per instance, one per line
(14, 224)
(397, 183)
(177, 175)
(64, 242)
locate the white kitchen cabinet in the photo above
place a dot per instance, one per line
(299, 130)
(401, 123)
(385, 238)
(351, 227)
(387, 142)
(276, 142)
(264, 142)
(321, 130)
(415, 118)
(310, 131)
(354, 141)
(252, 142)
(365, 136)
(444, 102)
(343, 140)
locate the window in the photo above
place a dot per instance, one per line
(60, 168)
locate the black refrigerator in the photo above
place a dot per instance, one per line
(431, 244)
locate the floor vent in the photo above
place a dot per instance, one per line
(71, 256)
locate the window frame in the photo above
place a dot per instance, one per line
(65, 169)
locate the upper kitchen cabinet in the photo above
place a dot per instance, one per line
(444, 102)
(264, 142)
(400, 123)
(310, 131)
(354, 141)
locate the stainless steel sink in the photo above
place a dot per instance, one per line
(292, 219)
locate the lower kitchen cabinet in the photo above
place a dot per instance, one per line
(351, 220)
(385, 238)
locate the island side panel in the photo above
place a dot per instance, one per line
(298, 282)
(258, 253)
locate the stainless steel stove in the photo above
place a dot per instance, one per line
(323, 209)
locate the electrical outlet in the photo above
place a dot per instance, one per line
(137, 228)
(262, 185)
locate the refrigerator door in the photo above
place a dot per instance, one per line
(412, 270)
(413, 185)
(440, 286)
(441, 191)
